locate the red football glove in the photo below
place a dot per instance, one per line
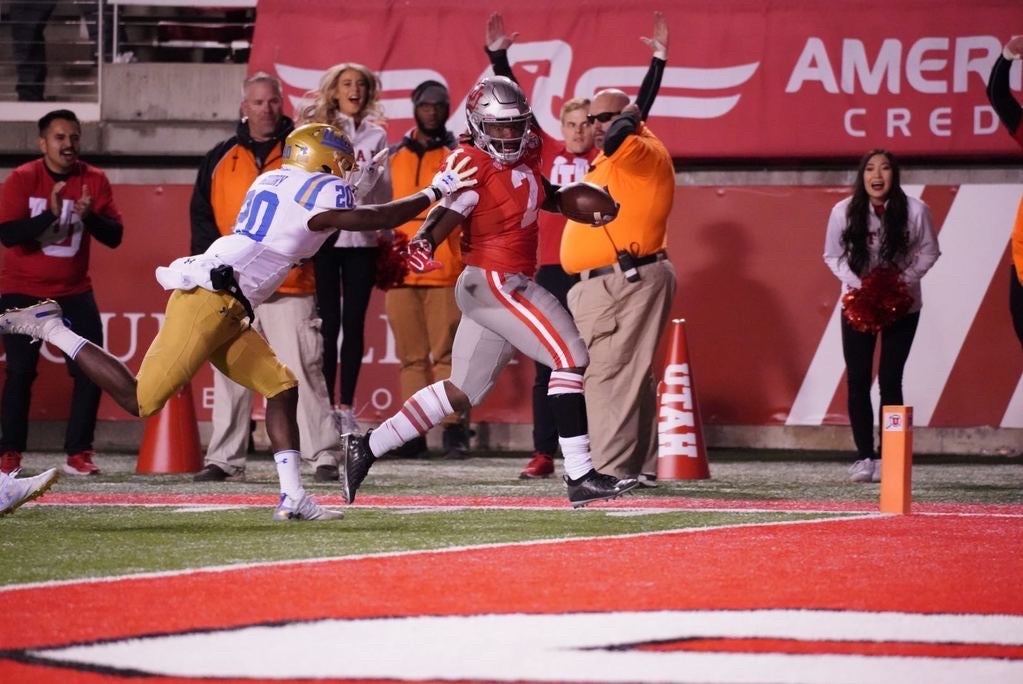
(419, 257)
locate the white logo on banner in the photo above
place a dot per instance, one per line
(710, 103)
(927, 66)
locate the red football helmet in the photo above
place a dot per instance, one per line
(499, 118)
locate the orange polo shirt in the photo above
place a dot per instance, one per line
(641, 178)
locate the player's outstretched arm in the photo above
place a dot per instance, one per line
(452, 178)
(658, 44)
(1005, 105)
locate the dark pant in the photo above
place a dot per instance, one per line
(545, 432)
(28, 21)
(348, 272)
(858, 349)
(82, 316)
(1016, 302)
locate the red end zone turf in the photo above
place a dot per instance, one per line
(912, 564)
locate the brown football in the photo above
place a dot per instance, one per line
(586, 203)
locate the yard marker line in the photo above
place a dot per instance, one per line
(164, 574)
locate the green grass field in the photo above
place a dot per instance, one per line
(62, 539)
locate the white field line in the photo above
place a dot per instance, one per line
(609, 510)
(214, 569)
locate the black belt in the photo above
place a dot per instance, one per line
(222, 278)
(639, 261)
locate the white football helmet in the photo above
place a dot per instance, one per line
(499, 118)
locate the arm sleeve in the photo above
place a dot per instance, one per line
(833, 247)
(204, 225)
(620, 129)
(1006, 106)
(105, 223)
(925, 246)
(25, 231)
(107, 230)
(499, 61)
(651, 84)
(16, 226)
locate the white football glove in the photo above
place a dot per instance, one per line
(453, 178)
(419, 257)
(370, 174)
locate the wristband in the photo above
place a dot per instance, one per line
(432, 192)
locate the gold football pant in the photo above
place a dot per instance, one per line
(201, 325)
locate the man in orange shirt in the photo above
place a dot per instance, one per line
(627, 284)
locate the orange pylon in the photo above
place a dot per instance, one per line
(170, 442)
(896, 459)
(681, 451)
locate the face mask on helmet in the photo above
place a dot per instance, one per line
(321, 149)
(499, 118)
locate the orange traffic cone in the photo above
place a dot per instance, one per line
(681, 452)
(170, 442)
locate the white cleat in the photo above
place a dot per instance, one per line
(31, 320)
(305, 508)
(17, 491)
(866, 470)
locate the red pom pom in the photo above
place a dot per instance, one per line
(391, 265)
(881, 299)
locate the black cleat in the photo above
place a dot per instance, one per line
(594, 486)
(211, 473)
(326, 473)
(358, 459)
(456, 441)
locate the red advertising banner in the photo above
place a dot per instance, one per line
(760, 307)
(745, 78)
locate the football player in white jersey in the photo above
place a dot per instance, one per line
(286, 216)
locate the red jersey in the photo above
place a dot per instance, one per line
(57, 264)
(561, 168)
(500, 231)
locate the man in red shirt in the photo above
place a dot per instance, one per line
(503, 308)
(50, 209)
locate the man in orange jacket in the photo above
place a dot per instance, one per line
(422, 310)
(288, 319)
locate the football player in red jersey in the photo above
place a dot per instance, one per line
(503, 308)
(565, 161)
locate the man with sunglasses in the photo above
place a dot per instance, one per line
(564, 161)
(622, 301)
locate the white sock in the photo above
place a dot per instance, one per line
(64, 338)
(288, 473)
(576, 451)
(422, 411)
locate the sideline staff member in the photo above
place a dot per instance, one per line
(623, 299)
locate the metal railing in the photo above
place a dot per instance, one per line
(57, 50)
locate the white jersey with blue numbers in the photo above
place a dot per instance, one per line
(271, 235)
